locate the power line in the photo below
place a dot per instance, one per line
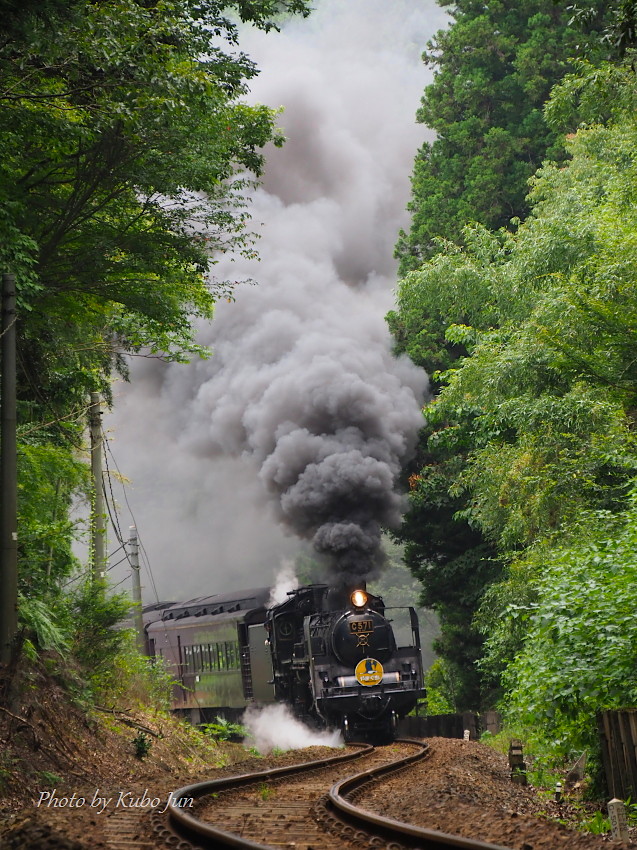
(121, 561)
(142, 549)
(114, 519)
(145, 558)
(115, 551)
(86, 572)
(147, 566)
(75, 578)
(121, 582)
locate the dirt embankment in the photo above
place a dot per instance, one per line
(465, 788)
(65, 772)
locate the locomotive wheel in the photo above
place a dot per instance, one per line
(388, 734)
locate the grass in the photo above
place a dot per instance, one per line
(50, 778)
(598, 824)
(265, 791)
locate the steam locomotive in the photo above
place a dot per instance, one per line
(330, 654)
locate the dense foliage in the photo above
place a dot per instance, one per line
(124, 150)
(495, 65)
(580, 647)
(494, 68)
(522, 500)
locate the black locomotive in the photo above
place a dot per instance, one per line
(335, 660)
(330, 654)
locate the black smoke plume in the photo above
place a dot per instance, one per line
(302, 395)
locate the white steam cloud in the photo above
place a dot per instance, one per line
(297, 426)
(275, 727)
(285, 582)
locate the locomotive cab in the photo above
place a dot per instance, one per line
(290, 656)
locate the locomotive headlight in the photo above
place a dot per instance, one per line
(359, 599)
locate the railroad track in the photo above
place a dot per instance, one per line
(305, 807)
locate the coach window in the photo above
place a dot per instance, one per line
(188, 659)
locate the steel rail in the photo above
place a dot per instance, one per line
(185, 824)
(204, 834)
(407, 834)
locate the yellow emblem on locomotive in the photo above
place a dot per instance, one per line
(369, 672)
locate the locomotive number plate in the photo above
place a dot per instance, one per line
(358, 626)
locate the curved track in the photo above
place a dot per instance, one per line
(307, 807)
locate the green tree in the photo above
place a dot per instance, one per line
(580, 649)
(533, 420)
(123, 147)
(466, 290)
(494, 68)
(125, 152)
(548, 398)
(453, 563)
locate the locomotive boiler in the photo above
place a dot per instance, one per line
(330, 654)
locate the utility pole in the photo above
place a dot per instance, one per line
(8, 476)
(98, 523)
(137, 588)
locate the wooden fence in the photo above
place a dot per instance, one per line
(450, 725)
(617, 732)
(618, 737)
